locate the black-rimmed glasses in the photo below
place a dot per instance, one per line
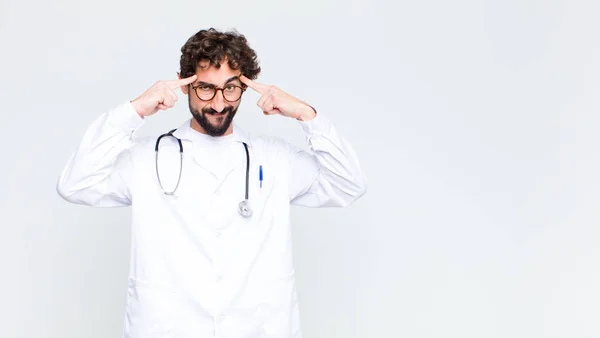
(231, 92)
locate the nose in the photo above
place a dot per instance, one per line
(218, 102)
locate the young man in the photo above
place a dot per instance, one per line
(211, 239)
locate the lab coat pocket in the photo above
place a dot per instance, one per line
(150, 311)
(261, 190)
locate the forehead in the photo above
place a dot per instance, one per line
(212, 74)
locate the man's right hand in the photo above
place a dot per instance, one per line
(161, 96)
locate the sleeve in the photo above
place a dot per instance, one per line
(98, 172)
(328, 174)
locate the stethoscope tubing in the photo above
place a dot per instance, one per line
(243, 207)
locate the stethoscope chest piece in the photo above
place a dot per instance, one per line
(244, 208)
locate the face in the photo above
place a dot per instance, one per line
(213, 117)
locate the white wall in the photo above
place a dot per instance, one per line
(476, 122)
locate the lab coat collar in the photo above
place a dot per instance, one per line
(185, 130)
(185, 133)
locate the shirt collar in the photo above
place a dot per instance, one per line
(184, 132)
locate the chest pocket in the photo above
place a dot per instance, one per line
(226, 198)
(261, 186)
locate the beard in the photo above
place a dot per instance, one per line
(224, 119)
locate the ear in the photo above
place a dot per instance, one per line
(184, 89)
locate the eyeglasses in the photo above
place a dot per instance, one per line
(231, 93)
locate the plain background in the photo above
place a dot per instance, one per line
(476, 123)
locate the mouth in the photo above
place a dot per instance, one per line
(214, 113)
(218, 118)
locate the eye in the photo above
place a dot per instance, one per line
(230, 88)
(205, 88)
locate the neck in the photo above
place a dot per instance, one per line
(197, 127)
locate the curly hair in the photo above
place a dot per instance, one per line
(214, 46)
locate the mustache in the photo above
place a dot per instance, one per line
(210, 111)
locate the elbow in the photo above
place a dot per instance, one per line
(358, 190)
(62, 188)
(66, 191)
(362, 190)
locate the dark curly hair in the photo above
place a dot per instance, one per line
(214, 46)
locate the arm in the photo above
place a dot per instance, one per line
(329, 173)
(97, 172)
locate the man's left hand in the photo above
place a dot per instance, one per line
(275, 101)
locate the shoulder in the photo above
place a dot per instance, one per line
(143, 148)
(273, 146)
(144, 143)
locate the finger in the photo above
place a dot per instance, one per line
(174, 84)
(162, 106)
(259, 87)
(168, 102)
(262, 100)
(272, 112)
(167, 105)
(170, 94)
(267, 103)
(268, 106)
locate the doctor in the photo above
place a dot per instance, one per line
(211, 251)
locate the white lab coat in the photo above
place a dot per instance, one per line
(198, 268)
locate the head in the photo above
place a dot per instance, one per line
(218, 59)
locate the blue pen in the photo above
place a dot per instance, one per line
(260, 175)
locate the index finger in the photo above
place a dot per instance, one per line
(259, 87)
(181, 82)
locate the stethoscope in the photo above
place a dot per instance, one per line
(243, 207)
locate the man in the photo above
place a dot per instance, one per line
(211, 239)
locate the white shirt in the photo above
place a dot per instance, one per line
(198, 268)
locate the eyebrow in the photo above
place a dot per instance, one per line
(233, 78)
